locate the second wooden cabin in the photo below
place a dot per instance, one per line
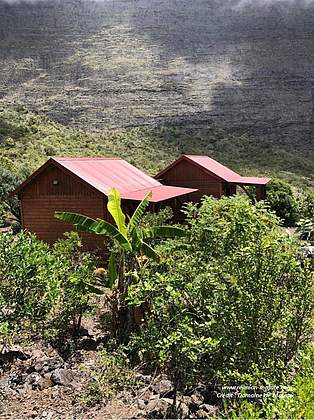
(209, 177)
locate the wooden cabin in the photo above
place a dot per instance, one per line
(209, 177)
(81, 185)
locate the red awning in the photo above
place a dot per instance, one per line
(160, 193)
(253, 180)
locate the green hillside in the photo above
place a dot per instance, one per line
(28, 139)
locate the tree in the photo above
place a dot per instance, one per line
(306, 205)
(131, 250)
(306, 229)
(281, 200)
(9, 179)
(231, 303)
(44, 289)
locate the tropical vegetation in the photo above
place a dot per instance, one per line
(130, 253)
(224, 300)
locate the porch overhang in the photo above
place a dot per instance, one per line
(160, 193)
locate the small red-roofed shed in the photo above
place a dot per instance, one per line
(209, 177)
(81, 185)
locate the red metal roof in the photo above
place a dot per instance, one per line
(133, 184)
(161, 193)
(253, 180)
(105, 173)
(217, 169)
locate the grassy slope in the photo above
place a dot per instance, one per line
(28, 140)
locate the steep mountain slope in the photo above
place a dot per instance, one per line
(121, 63)
(27, 140)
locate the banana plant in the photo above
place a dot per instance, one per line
(130, 237)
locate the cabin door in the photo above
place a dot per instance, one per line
(230, 190)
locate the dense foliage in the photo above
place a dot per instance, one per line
(232, 304)
(9, 179)
(280, 198)
(228, 304)
(306, 205)
(300, 404)
(43, 290)
(130, 252)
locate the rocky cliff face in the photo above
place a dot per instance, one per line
(118, 63)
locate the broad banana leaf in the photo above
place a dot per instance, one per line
(82, 223)
(139, 212)
(164, 232)
(112, 271)
(136, 239)
(99, 227)
(149, 252)
(92, 289)
(114, 208)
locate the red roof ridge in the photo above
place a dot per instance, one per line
(197, 156)
(86, 158)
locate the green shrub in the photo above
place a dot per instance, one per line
(9, 180)
(231, 304)
(305, 229)
(163, 216)
(281, 200)
(111, 373)
(43, 289)
(296, 403)
(306, 205)
(4, 207)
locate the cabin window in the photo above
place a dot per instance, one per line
(55, 182)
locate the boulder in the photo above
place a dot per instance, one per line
(33, 380)
(183, 410)
(62, 377)
(210, 409)
(195, 401)
(38, 355)
(159, 408)
(48, 365)
(141, 404)
(164, 387)
(146, 379)
(44, 383)
(18, 378)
